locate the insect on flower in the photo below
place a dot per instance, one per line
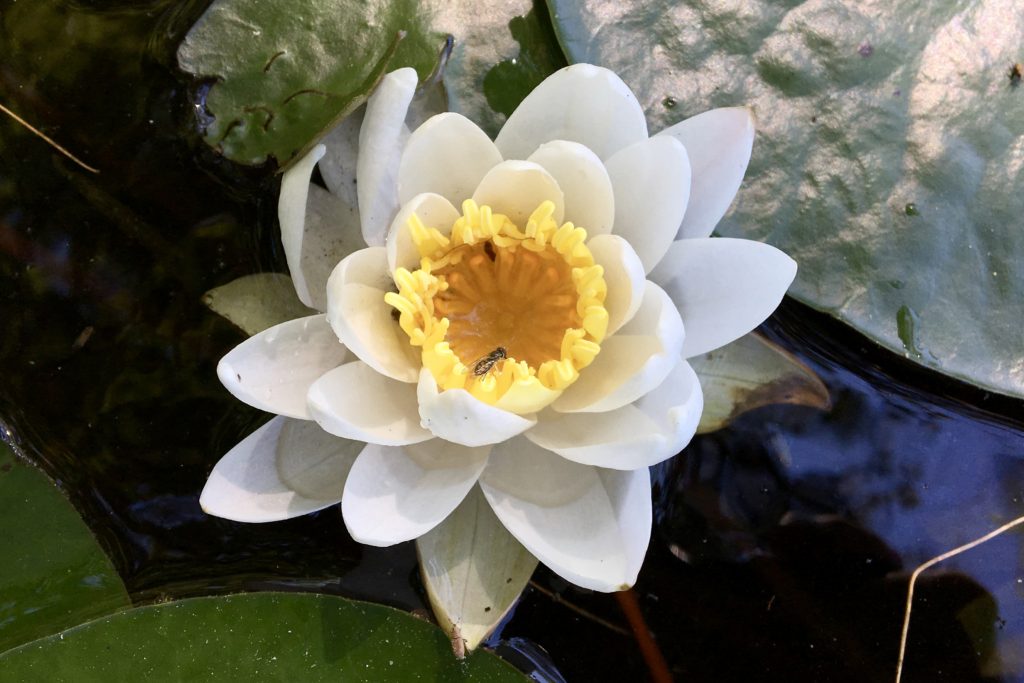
(484, 364)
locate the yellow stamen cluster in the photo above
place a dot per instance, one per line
(510, 315)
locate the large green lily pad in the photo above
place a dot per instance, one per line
(254, 637)
(503, 49)
(286, 71)
(53, 574)
(889, 160)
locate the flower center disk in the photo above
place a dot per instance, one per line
(509, 314)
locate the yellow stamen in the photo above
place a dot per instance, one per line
(510, 315)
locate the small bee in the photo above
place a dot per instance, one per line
(483, 365)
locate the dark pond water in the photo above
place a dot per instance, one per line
(782, 545)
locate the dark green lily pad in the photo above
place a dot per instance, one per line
(286, 71)
(889, 160)
(53, 574)
(253, 637)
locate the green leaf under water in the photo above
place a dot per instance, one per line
(889, 159)
(53, 574)
(286, 71)
(252, 637)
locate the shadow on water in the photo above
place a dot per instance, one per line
(782, 545)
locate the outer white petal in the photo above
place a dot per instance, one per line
(434, 211)
(719, 144)
(582, 103)
(338, 166)
(355, 402)
(590, 526)
(456, 415)
(362, 319)
(624, 275)
(274, 369)
(632, 362)
(516, 189)
(723, 287)
(589, 197)
(448, 155)
(284, 469)
(644, 433)
(652, 186)
(398, 494)
(380, 149)
(331, 233)
(291, 214)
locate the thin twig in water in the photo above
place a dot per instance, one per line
(50, 141)
(555, 597)
(930, 563)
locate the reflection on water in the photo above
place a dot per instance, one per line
(782, 545)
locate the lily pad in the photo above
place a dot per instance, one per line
(286, 71)
(53, 574)
(502, 51)
(473, 568)
(889, 157)
(749, 373)
(256, 637)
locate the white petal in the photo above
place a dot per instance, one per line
(723, 287)
(624, 275)
(291, 214)
(581, 103)
(338, 166)
(331, 233)
(473, 569)
(632, 362)
(380, 149)
(448, 155)
(590, 526)
(457, 416)
(589, 198)
(363, 320)
(434, 211)
(284, 469)
(398, 494)
(274, 369)
(719, 144)
(516, 189)
(356, 402)
(643, 433)
(652, 186)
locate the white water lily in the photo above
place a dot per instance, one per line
(519, 321)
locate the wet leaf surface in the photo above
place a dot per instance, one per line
(502, 51)
(53, 573)
(265, 636)
(285, 72)
(888, 161)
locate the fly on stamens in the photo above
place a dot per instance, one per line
(483, 365)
